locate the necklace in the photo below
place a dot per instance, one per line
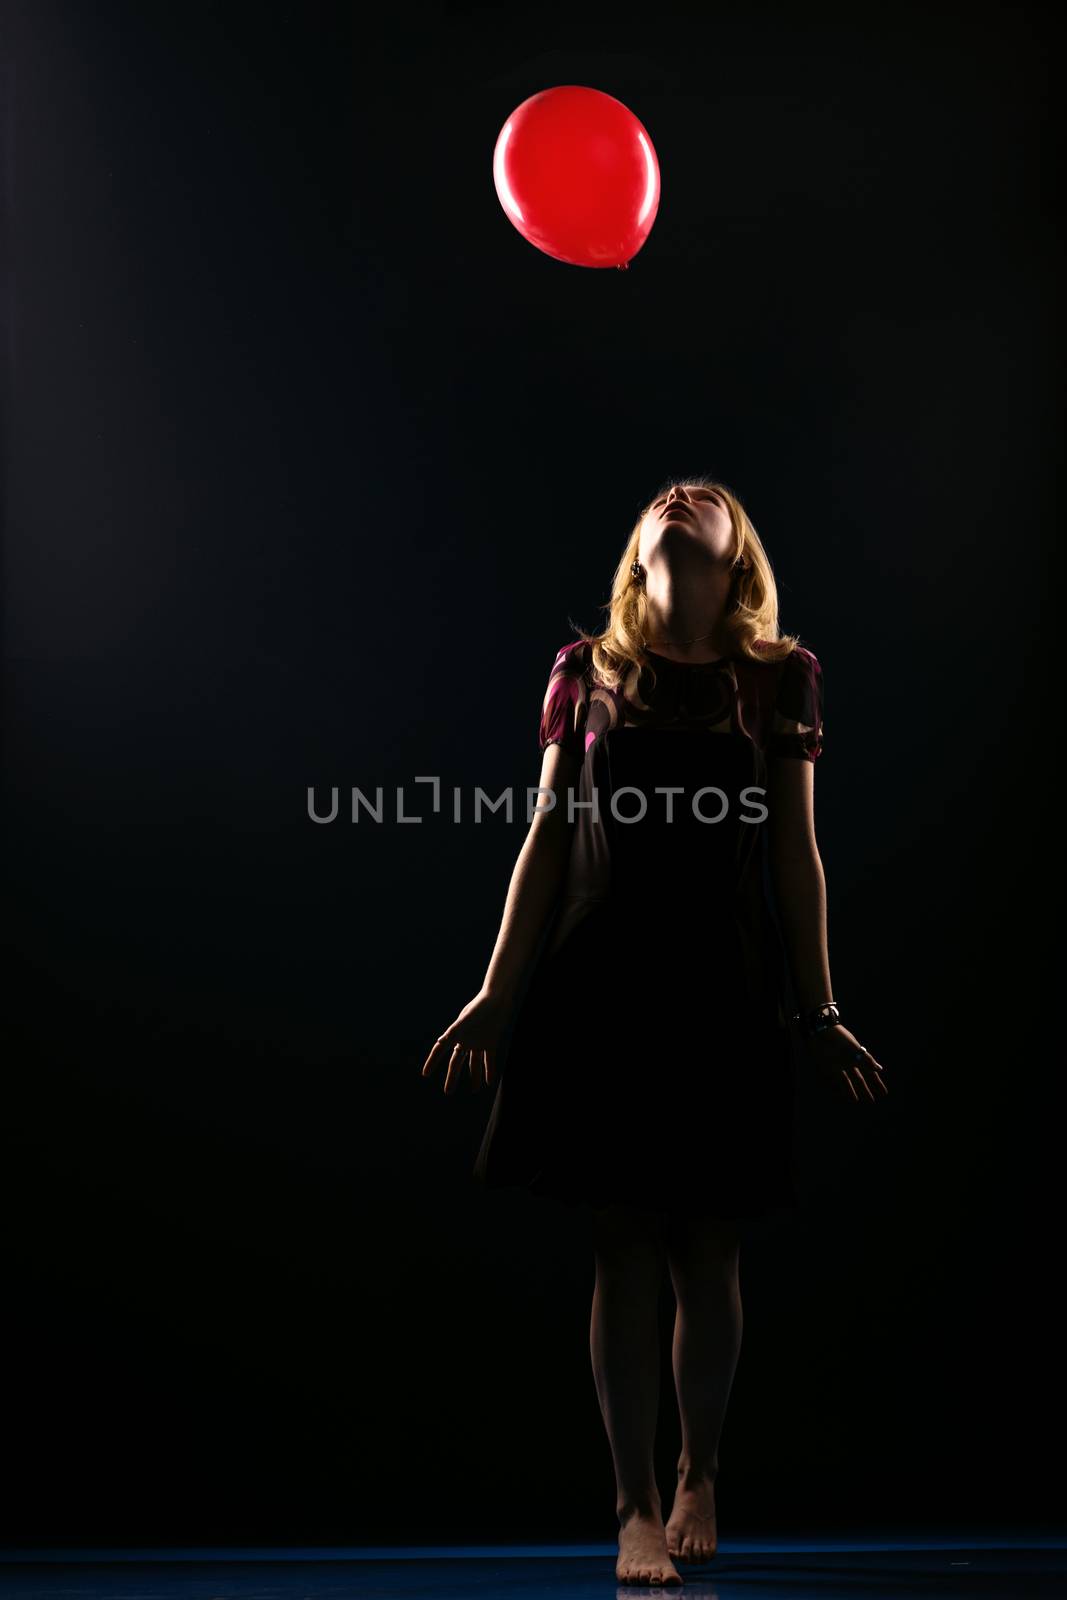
(683, 641)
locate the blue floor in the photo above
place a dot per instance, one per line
(919, 1568)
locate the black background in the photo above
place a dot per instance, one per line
(309, 461)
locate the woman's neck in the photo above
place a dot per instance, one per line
(683, 634)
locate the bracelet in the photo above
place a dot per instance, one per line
(818, 1019)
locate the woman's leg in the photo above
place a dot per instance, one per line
(703, 1255)
(624, 1345)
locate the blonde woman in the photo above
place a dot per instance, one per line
(662, 941)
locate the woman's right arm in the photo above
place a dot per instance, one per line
(536, 881)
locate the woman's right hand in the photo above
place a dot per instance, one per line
(472, 1040)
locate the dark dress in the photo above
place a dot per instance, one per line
(649, 1059)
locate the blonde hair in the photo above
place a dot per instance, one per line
(751, 610)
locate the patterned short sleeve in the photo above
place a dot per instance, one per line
(566, 700)
(796, 727)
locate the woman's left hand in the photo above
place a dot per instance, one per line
(853, 1068)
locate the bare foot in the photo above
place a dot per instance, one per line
(691, 1531)
(643, 1554)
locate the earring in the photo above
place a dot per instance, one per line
(636, 570)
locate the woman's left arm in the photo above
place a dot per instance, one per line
(798, 878)
(799, 885)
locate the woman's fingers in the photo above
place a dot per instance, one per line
(867, 1071)
(438, 1054)
(461, 1055)
(455, 1066)
(432, 1060)
(858, 1070)
(876, 1069)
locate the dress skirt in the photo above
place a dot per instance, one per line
(649, 1061)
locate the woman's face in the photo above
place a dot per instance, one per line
(686, 521)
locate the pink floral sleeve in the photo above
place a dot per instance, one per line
(566, 700)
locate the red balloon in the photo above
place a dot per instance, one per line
(576, 173)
